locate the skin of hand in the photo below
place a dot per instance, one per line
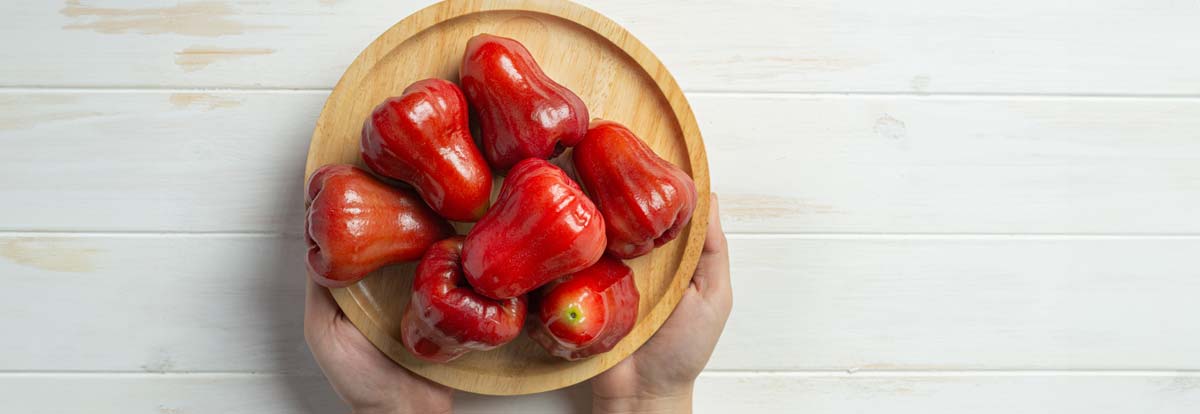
(362, 376)
(659, 376)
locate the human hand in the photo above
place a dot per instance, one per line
(659, 377)
(364, 377)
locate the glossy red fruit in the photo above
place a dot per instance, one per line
(586, 313)
(356, 224)
(422, 137)
(541, 227)
(522, 112)
(446, 319)
(645, 200)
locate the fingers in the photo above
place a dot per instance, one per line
(714, 241)
(712, 273)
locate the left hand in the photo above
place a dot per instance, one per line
(364, 377)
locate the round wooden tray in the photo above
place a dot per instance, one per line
(616, 76)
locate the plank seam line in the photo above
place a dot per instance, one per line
(713, 374)
(688, 92)
(946, 95)
(965, 236)
(731, 235)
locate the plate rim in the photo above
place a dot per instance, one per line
(612, 32)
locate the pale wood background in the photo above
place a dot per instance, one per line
(934, 206)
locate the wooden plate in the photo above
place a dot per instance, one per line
(616, 76)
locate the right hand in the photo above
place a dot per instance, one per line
(659, 377)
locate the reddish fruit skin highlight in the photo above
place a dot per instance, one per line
(446, 319)
(541, 227)
(645, 200)
(356, 224)
(522, 112)
(422, 138)
(587, 312)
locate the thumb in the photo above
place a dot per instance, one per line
(320, 310)
(712, 273)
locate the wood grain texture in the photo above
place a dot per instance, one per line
(234, 303)
(219, 161)
(955, 164)
(618, 79)
(184, 161)
(905, 46)
(230, 303)
(715, 393)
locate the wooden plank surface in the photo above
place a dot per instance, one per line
(939, 206)
(954, 164)
(155, 161)
(233, 162)
(907, 46)
(801, 303)
(1099, 393)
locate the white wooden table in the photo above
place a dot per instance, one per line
(935, 206)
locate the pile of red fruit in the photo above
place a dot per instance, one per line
(543, 236)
